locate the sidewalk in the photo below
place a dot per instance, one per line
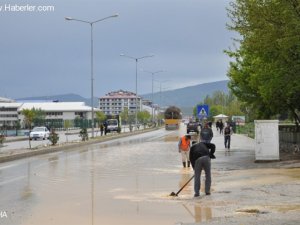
(245, 192)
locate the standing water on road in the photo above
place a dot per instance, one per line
(129, 181)
(119, 182)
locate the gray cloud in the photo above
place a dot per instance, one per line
(42, 54)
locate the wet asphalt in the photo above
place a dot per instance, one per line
(129, 180)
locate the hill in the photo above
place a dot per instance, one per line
(184, 98)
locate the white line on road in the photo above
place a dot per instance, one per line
(12, 180)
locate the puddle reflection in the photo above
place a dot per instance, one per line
(200, 213)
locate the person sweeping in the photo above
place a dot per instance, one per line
(200, 158)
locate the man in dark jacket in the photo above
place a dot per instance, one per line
(206, 135)
(200, 159)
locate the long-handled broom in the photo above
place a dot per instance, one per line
(176, 194)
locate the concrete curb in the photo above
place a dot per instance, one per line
(67, 146)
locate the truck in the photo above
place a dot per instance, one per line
(172, 118)
(112, 124)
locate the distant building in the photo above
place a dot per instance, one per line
(114, 102)
(11, 112)
(6, 100)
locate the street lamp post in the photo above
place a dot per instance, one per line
(153, 73)
(92, 59)
(136, 92)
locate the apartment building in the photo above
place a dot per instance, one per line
(114, 102)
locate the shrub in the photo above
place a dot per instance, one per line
(83, 134)
(53, 137)
(2, 138)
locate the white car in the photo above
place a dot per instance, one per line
(39, 132)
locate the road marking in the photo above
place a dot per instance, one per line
(12, 180)
(8, 166)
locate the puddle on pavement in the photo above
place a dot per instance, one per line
(286, 208)
(109, 184)
(112, 186)
(251, 211)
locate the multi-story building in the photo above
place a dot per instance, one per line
(114, 102)
(11, 112)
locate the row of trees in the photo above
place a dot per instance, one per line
(265, 71)
(222, 103)
(37, 117)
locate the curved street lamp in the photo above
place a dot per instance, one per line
(92, 60)
(136, 92)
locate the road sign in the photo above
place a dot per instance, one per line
(202, 111)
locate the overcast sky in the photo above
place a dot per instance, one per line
(43, 54)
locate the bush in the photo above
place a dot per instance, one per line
(53, 137)
(2, 138)
(83, 134)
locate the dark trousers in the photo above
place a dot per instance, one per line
(227, 141)
(202, 163)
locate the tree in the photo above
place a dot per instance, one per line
(101, 117)
(143, 116)
(265, 72)
(28, 117)
(39, 117)
(67, 125)
(221, 102)
(124, 115)
(33, 116)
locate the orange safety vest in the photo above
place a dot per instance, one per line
(185, 144)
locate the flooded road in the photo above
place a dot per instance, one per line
(129, 180)
(118, 182)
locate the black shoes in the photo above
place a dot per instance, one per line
(197, 195)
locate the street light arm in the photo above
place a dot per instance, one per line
(105, 18)
(83, 21)
(146, 56)
(159, 71)
(136, 59)
(91, 23)
(127, 56)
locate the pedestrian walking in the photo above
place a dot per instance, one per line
(105, 127)
(221, 127)
(227, 136)
(200, 160)
(218, 125)
(101, 129)
(206, 136)
(184, 148)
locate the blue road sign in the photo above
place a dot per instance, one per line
(202, 111)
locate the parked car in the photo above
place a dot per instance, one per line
(39, 132)
(192, 127)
